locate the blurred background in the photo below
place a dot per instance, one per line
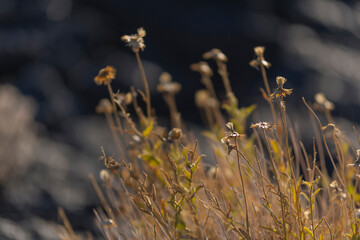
(50, 51)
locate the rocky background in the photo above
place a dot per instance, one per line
(50, 50)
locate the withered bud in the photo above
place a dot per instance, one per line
(203, 68)
(175, 134)
(166, 84)
(259, 51)
(280, 81)
(215, 54)
(104, 175)
(123, 99)
(105, 75)
(165, 77)
(201, 98)
(323, 102)
(104, 106)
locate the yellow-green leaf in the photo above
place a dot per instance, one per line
(148, 130)
(308, 231)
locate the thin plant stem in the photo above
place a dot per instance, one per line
(243, 188)
(278, 184)
(114, 134)
(222, 70)
(268, 91)
(146, 85)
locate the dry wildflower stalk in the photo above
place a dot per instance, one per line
(221, 60)
(105, 77)
(206, 74)
(169, 89)
(105, 107)
(262, 63)
(322, 104)
(136, 43)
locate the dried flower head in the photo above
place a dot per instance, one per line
(256, 63)
(334, 184)
(104, 106)
(332, 128)
(280, 92)
(166, 84)
(135, 41)
(322, 103)
(105, 76)
(230, 137)
(203, 68)
(215, 54)
(263, 125)
(175, 134)
(123, 99)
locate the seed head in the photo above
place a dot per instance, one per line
(256, 63)
(105, 75)
(215, 54)
(166, 84)
(104, 106)
(202, 68)
(135, 41)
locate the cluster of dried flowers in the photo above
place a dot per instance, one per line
(263, 185)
